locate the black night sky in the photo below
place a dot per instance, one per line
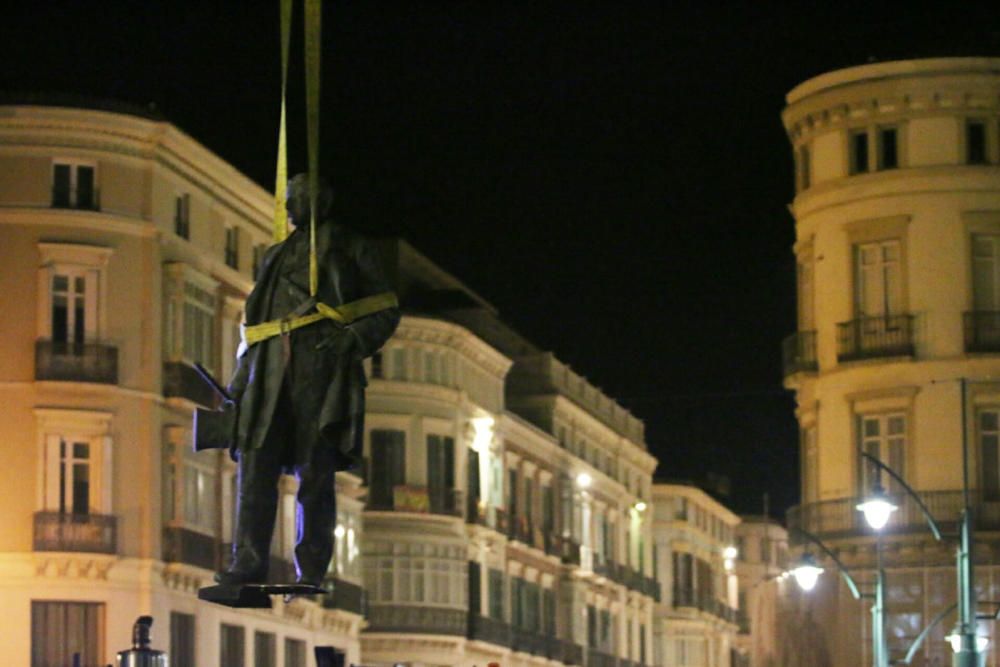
(613, 176)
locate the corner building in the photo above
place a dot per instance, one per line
(499, 516)
(897, 218)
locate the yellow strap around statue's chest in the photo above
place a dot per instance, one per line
(343, 315)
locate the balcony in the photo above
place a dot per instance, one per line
(982, 331)
(703, 601)
(183, 545)
(418, 499)
(76, 362)
(417, 619)
(874, 337)
(91, 533)
(181, 380)
(570, 552)
(569, 653)
(840, 518)
(346, 596)
(527, 641)
(798, 353)
(486, 629)
(597, 658)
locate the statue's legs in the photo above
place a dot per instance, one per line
(257, 504)
(317, 515)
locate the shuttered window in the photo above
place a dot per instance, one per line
(388, 465)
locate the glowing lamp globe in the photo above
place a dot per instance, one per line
(807, 572)
(877, 509)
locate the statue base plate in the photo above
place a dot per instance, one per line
(254, 596)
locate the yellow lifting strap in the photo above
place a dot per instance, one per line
(313, 29)
(281, 169)
(343, 315)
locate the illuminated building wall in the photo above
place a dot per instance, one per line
(697, 620)
(897, 218)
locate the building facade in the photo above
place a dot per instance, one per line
(502, 515)
(897, 218)
(696, 622)
(762, 544)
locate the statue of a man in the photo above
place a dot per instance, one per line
(299, 383)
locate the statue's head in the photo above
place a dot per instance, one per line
(297, 200)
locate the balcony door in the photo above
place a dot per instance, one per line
(388, 466)
(878, 279)
(440, 472)
(70, 478)
(884, 437)
(73, 315)
(985, 273)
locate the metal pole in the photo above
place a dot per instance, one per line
(880, 651)
(968, 654)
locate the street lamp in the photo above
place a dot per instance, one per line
(806, 572)
(877, 508)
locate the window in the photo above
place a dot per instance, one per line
(441, 473)
(182, 639)
(804, 168)
(232, 645)
(376, 365)
(60, 630)
(430, 367)
(398, 367)
(388, 466)
(988, 433)
(346, 564)
(548, 510)
(76, 462)
(985, 272)
(975, 142)
(430, 574)
(878, 279)
(295, 652)
(496, 594)
(516, 604)
(591, 626)
(884, 437)
(859, 151)
(531, 599)
(548, 612)
(74, 185)
(190, 316)
(71, 280)
(888, 150)
(233, 247)
(264, 649)
(199, 496)
(512, 491)
(258, 258)
(182, 216)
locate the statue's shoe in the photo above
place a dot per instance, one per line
(240, 577)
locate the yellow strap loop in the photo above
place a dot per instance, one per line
(344, 314)
(281, 170)
(313, 29)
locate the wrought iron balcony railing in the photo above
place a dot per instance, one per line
(181, 380)
(840, 517)
(418, 499)
(490, 630)
(527, 641)
(798, 353)
(91, 533)
(982, 331)
(346, 596)
(417, 619)
(570, 653)
(873, 337)
(76, 362)
(597, 658)
(183, 545)
(703, 601)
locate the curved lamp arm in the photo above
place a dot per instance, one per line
(851, 584)
(915, 646)
(913, 494)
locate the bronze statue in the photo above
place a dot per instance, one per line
(299, 387)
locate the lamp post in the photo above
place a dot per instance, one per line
(806, 573)
(968, 648)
